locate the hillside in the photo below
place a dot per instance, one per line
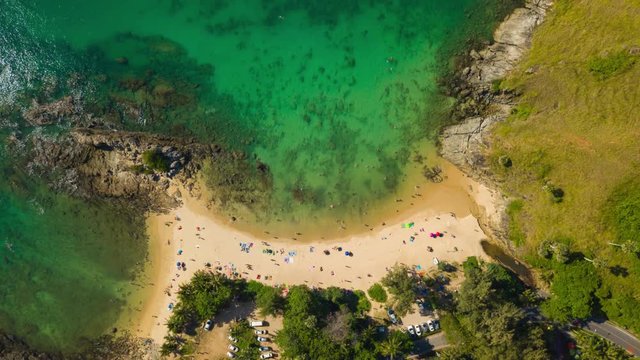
(574, 148)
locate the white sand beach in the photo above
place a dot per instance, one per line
(191, 234)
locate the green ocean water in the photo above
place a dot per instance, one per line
(336, 97)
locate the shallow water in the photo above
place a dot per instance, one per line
(338, 98)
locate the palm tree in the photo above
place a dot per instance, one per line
(390, 347)
(629, 246)
(597, 262)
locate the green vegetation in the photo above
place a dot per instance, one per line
(516, 235)
(401, 286)
(155, 160)
(325, 324)
(486, 321)
(594, 347)
(574, 287)
(247, 344)
(622, 211)
(611, 64)
(377, 293)
(268, 299)
(582, 136)
(396, 344)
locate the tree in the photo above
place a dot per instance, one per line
(269, 301)
(561, 252)
(595, 347)
(172, 345)
(573, 291)
(628, 247)
(339, 325)
(377, 293)
(544, 249)
(397, 343)
(598, 263)
(488, 322)
(364, 305)
(400, 285)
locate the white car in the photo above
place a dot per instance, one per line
(261, 339)
(430, 325)
(232, 339)
(260, 332)
(418, 330)
(233, 348)
(411, 330)
(266, 355)
(230, 355)
(208, 325)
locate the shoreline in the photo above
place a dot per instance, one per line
(374, 251)
(466, 142)
(483, 218)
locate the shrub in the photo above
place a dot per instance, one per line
(522, 111)
(611, 65)
(557, 194)
(505, 161)
(155, 160)
(364, 305)
(377, 293)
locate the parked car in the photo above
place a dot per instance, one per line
(411, 330)
(233, 348)
(232, 339)
(430, 325)
(261, 339)
(418, 330)
(266, 355)
(260, 332)
(425, 327)
(258, 323)
(436, 324)
(208, 325)
(392, 316)
(265, 348)
(230, 355)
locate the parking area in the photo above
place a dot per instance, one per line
(216, 343)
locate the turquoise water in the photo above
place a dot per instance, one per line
(338, 98)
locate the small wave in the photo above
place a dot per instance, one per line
(25, 57)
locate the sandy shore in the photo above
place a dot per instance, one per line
(191, 234)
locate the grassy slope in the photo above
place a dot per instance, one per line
(583, 133)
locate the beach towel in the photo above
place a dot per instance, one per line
(408, 225)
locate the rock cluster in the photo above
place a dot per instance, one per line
(479, 105)
(104, 163)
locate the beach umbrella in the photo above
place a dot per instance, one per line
(326, 252)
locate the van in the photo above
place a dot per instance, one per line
(258, 323)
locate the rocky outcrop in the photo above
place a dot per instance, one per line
(12, 348)
(480, 105)
(103, 163)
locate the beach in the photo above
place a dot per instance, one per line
(192, 235)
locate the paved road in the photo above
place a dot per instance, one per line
(615, 334)
(602, 328)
